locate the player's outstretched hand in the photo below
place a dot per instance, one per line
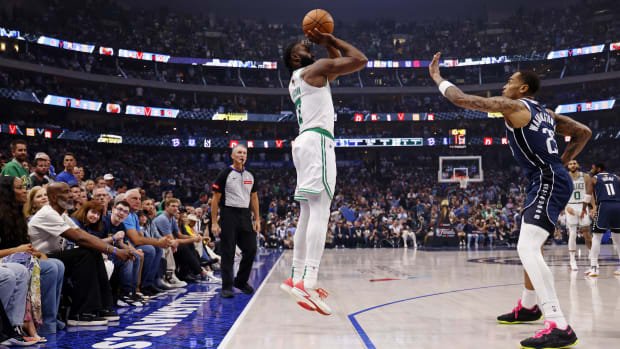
(433, 68)
(319, 38)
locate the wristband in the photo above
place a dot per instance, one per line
(444, 86)
(114, 251)
(587, 198)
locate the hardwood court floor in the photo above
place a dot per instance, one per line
(437, 300)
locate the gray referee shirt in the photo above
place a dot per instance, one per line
(235, 186)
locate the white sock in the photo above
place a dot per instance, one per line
(531, 239)
(528, 298)
(297, 270)
(311, 274)
(572, 256)
(553, 312)
(596, 249)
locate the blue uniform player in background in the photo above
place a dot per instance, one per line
(605, 213)
(531, 130)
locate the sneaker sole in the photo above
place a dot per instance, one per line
(562, 347)
(15, 343)
(288, 290)
(301, 300)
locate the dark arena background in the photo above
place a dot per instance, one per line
(141, 102)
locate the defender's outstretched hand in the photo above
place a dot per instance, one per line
(433, 68)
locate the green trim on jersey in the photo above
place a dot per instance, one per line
(323, 158)
(319, 130)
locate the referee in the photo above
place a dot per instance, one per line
(235, 191)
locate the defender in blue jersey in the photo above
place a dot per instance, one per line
(605, 213)
(531, 130)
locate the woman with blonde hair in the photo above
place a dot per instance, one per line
(37, 198)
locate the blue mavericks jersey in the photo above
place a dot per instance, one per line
(533, 145)
(607, 187)
(534, 148)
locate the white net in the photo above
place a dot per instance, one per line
(463, 181)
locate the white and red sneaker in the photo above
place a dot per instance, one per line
(311, 298)
(287, 285)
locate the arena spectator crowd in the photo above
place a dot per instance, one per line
(87, 228)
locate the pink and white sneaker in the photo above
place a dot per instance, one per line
(311, 298)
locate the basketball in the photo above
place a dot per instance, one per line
(319, 19)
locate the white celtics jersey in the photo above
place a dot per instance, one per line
(313, 105)
(579, 190)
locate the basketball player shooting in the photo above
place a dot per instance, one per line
(531, 129)
(314, 156)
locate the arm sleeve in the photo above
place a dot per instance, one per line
(220, 182)
(254, 186)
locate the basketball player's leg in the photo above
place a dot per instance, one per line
(300, 241)
(587, 236)
(527, 309)
(306, 291)
(572, 222)
(299, 247)
(303, 158)
(597, 237)
(531, 240)
(557, 332)
(315, 236)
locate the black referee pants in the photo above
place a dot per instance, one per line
(236, 224)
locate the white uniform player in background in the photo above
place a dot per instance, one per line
(577, 215)
(314, 157)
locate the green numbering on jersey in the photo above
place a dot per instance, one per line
(577, 195)
(298, 111)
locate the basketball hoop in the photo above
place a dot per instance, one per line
(462, 181)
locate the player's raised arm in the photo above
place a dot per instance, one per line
(350, 60)
(578, 132)
(515, 112)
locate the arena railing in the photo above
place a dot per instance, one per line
(273, 65)
(264, 91)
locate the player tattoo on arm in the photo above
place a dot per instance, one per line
(578, 132)
(491, 105)
(508, 107)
